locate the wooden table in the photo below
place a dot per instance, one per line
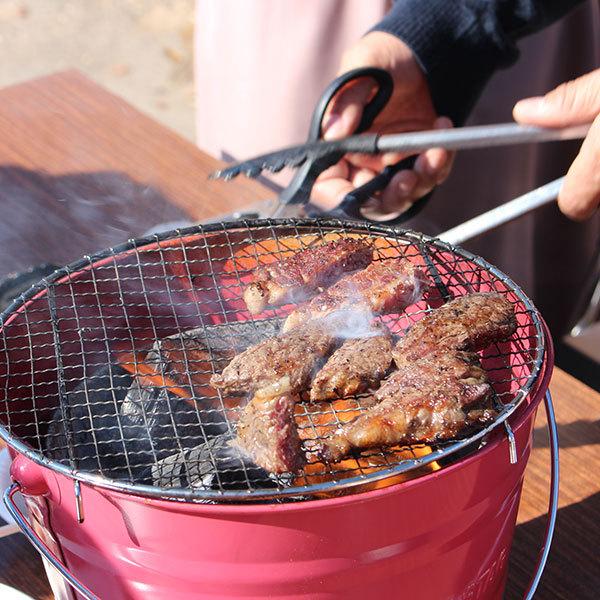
(80, 169)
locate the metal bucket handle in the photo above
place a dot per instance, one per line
(39, 544)
(41, 547)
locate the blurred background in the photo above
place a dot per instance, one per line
(142, 51)
(138, 49)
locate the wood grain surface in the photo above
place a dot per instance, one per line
(81, 170)
(573, 569)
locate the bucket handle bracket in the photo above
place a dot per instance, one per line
(39, 544)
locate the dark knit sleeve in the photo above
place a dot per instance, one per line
(460, 43)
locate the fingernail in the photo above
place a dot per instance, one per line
(406, 187)
(530, 106)
(435, 163)
(337, 126)
(329, 120)
(442, 123)
(334, 128)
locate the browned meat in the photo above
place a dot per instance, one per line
(439, 389)
(384, 286)
(267, 432)
(299, 277)
(354, 367)
(470, 322)
(433, 399)
(291, 359)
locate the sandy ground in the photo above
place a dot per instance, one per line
(139, 49)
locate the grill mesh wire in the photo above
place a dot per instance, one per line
(111, 309)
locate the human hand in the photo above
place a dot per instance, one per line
(572, 103)
(410, 108)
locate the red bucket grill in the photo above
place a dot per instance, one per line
(75, 345)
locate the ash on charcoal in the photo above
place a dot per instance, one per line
(236, 336)
(214, 465)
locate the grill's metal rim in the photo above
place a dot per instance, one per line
(261, 494)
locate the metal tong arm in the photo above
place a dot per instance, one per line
(481, 136)
(504, 213)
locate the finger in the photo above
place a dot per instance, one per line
(374, 162)
(433, 166)
(374, 210)
(579, 196)
(436, 163)
(572, 103)
(327, 194)
(361, 176)
(440, 161)
(399, 193)
(340, 170)
(345, 111)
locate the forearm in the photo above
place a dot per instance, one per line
(460, 44)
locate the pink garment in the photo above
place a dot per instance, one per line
(261, 65)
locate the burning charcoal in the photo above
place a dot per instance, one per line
(120, 428)
(214, 465)
(168, 422)
(237, 335)
(123, 424)
(88, 436)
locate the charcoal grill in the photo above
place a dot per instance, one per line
(76, 344)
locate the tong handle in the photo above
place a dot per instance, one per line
(504, 213)
(385, 87)
(301, 185)
(352, 202)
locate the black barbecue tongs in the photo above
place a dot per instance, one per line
(316, 155)
(312, 165)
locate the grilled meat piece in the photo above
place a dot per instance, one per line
(354, 367)
(299, 277)
(384, 286)
(267, 432)
(294, 356)
(430, 400)
(470, 322)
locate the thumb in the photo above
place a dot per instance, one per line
(346, 108)
(572, 103)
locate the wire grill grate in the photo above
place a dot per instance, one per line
(92, 388)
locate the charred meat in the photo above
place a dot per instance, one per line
(470, 322)
(384, 286)
(291, 358)
(267, 432)
(356, 366)
(299, 277)
(430, 400)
